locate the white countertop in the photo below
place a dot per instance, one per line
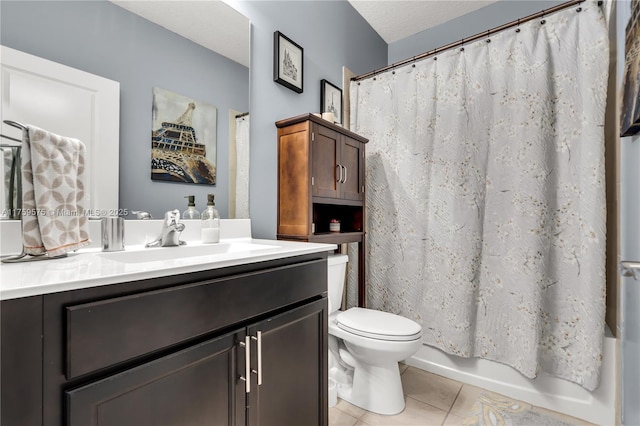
(92, 267)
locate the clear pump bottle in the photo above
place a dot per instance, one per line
(210, 222)
(191, 212)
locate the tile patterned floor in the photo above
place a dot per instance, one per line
(430, 400)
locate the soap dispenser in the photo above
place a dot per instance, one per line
(191, 212)
(210, 222)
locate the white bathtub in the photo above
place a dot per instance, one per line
(546, 391)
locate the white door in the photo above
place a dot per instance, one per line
(71, 103)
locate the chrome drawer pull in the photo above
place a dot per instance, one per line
(247, 364)
(258, 340)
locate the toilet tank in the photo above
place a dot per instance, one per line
(336, 274)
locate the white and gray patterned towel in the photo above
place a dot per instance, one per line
(53, 193)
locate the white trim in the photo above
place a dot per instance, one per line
(546, 391)
(102, 132)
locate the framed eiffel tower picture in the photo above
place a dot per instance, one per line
(183, 139)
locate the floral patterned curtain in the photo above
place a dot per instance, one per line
(242, 167)
(486, 194)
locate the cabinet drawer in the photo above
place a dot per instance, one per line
(108, 332)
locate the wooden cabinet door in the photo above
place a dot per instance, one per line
(293, 363)
(325, 151)
(196, 386)
(351, 160)
(21, 366)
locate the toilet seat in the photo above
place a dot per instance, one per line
(378, 325)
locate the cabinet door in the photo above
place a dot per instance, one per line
(196, 386)
(352, 162)
(325, 152)
(21, 366)
(293, 358)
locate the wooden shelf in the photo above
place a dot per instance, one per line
(321, 180)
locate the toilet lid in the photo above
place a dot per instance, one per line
(378, 325)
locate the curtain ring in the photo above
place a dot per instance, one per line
(518, 26)
(543, 22)
(579, 10)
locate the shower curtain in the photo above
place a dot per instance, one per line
(242, 167)
(486, 194)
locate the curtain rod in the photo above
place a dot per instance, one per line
(460, 42)
(243, 114)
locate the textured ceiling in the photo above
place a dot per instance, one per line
(394, 20)
(210, 23)
(218, 27)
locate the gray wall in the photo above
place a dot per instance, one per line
(103, 39)
(106, 40)
(332, 34)
(630, 248)
(483, 19)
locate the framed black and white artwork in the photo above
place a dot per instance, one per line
(331, 100)
(287, 62)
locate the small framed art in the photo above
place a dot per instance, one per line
(331, 100)
(287, 62)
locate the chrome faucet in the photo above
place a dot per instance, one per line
(142, 215)
(171, 229)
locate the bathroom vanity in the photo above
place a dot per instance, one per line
(229, 339)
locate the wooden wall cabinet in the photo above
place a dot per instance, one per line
(321, 178)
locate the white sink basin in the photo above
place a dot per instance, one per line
(163, 254)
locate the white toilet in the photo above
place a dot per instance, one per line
(365, 347)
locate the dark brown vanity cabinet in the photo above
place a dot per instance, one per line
(243, 345)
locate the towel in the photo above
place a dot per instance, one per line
(5, 172)
(53, 193)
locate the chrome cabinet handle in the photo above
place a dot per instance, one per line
(339, 180)
(258, 339)
(345, 174)
(247, 364)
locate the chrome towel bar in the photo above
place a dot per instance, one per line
(630, 269)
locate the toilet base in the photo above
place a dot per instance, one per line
(376, 388)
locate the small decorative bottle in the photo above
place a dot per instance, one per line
(191, 212)
(210, 222)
